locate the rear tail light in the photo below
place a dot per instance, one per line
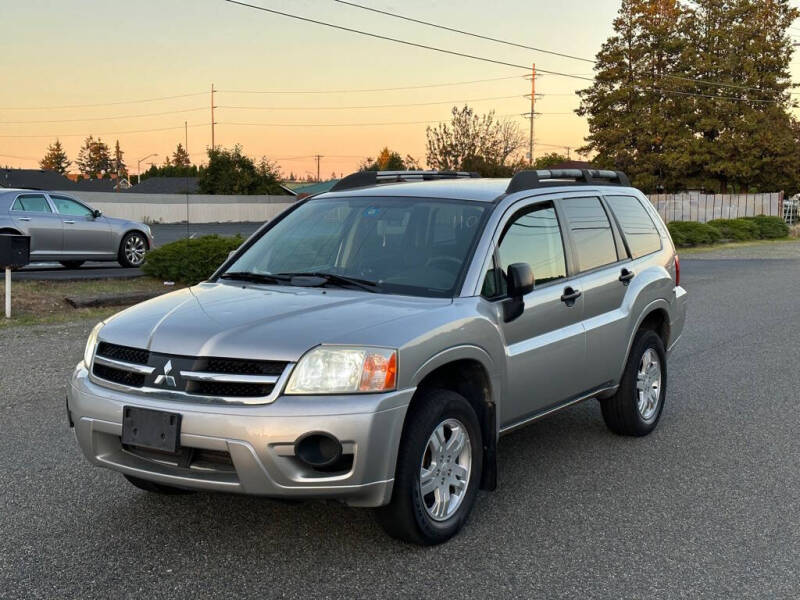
(677, 270)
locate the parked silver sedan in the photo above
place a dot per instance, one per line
(70, 231)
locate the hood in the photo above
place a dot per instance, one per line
(256, 322)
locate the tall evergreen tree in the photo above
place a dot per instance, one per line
(633, 125)
(94, 160)
(118, 165)
(55, 159)
(180, 158)
(696, 95)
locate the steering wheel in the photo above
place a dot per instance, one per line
(442, 259)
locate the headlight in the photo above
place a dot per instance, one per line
(88, 353)
(343, 370)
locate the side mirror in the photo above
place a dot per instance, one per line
(97, 213)
(519, 280)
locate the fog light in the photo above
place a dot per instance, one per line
(318, 450)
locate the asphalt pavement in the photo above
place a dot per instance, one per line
(708, 506)
(162, 234)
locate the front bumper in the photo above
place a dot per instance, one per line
(250, 449)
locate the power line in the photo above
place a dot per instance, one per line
(366, 90)
(114, 118)
(525, 46)
(66, 135)
(399, 41)
(359, 124)
(468, 33)
(64, 106)
(368, 105)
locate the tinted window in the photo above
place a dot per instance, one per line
(591, 233)
(412, 246)
(68, 206)
(532, 237)
(32, 203)
(637, 226)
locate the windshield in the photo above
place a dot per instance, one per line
(415, 246)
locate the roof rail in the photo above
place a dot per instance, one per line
(529, 180)
(371, 178)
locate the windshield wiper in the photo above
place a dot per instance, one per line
(340, 280)
(255, 277)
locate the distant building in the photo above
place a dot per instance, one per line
(166, 185)
(33, 179)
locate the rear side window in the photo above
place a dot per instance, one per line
(637, 226)
(31, 203)
(591, 233)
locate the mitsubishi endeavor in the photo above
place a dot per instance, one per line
(371, 344)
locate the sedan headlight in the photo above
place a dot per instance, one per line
(344, 370)
(88, 353)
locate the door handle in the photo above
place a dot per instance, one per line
(570, 295)
(70, 222)
(626, 276)
(26, 219)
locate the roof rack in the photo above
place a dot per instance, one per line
(371, 178)
(529, 180)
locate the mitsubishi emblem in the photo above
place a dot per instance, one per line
(166, 378)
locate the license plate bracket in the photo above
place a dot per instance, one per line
(154, 429)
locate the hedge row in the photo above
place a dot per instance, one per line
(190, 261)
(689, 233)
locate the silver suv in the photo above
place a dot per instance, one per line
(372, 344)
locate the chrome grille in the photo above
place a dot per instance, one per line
(217, 378)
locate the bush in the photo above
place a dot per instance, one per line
(739, 230)
(769, 228)
(190, 261)
(689, 233)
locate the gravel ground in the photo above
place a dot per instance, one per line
(707, 506)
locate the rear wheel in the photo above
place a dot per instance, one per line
(438, 470)
(636, 407)
(72, 264)
(156, 488)
(132, 249)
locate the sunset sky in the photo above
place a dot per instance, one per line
(116, 55)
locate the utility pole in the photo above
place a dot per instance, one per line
(318, 157)
(533, 111)
(186, 148)
(212, 117)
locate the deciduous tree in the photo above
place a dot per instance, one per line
(230, 171)
(471, 142)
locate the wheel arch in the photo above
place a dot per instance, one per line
(655, 316)
(468, 371)
(9, 230)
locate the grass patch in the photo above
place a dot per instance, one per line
(730, 245)
(42, 302)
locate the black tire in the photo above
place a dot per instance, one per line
(156, 488)
(72, 264)
(621, 412)
(122, 256)
(406, 516)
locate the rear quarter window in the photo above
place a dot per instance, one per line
(637, 226)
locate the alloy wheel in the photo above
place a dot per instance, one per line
(445, 469)
(648, 385)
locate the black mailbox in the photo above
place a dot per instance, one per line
(15, 250)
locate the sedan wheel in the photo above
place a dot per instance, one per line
(132, 250)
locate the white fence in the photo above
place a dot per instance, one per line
(172, 208)
(694, 206)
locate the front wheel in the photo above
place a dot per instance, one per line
(132, 249)
(636, 407)
(438, 470)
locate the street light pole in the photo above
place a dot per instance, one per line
(139, 167)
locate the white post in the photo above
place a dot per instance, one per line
(8, 292)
